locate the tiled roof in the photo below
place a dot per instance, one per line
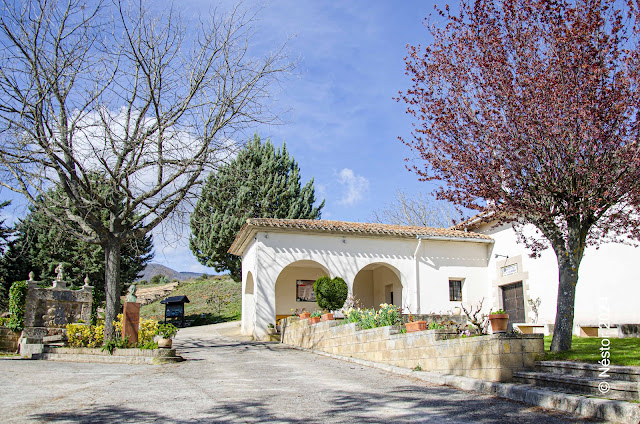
(342, 227)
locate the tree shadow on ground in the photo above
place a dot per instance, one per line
(192, 347)
(401, 405)
(102, 414)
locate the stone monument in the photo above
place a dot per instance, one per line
(131, 316)
(48, 310)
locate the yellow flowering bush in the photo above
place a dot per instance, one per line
(148, 329)
(81, 335)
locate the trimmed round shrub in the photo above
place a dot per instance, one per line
(330, 294)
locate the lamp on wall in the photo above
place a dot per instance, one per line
(501, 256)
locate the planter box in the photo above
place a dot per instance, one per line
(416, 326)
(304, 315)
(327, 317)
(314, 320)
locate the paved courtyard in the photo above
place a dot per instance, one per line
(228, 380)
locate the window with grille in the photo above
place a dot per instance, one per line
(455, 290)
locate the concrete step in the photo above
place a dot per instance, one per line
(57, 340)
(109, 359)
(614, 372)
(612, 389)
(119, 356)
(31, 350)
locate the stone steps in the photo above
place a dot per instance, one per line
(582, 369)
(622, 383)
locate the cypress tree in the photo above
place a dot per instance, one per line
(260, 182)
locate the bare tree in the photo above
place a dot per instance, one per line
(419, 210)
(136, 94)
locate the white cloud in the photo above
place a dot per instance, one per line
(354, 186)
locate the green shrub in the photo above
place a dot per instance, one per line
(316, 314)
(435, 326)
(167, 331)
(159, 279)
(330, 294)
(17, 304)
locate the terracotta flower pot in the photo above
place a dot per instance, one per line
(416, 326)
(314, 320)
(327, 317)
(304, 315)
(499, 322)
(165, 343)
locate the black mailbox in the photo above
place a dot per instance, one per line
(174, 308)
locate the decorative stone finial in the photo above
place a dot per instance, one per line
(32, 276)
(60, 272)
(87, 281)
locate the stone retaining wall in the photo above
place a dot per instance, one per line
(8, 340)
(493, 357)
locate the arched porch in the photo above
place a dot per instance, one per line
(378, 283)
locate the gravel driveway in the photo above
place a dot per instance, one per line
(230, 380)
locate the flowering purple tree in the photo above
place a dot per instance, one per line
(529, 109)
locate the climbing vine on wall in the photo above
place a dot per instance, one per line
(17, 303)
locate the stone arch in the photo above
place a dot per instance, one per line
(248, 305)
(378, 283)
(286, 287)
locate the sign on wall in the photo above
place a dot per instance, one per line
(304, 291)
(509, 270)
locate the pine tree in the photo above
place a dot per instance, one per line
(261, 182)
(5, 232)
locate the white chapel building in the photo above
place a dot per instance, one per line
(424, 270)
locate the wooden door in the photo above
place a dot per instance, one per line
(513, 303)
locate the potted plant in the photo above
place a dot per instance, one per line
(499, 321)
(304, 314)
(315, 317)
(327, 317)
(166, 332)
(413, 326)
(330, 295)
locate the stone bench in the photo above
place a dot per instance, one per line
(530, 328)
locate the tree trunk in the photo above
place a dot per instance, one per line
(567, 281)
(111, 285)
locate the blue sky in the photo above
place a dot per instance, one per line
(343, 124)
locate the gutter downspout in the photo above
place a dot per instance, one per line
(415, 255)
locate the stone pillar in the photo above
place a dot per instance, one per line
(130, 321)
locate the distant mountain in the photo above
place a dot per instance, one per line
(157, 269)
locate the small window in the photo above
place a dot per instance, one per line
(455, 290)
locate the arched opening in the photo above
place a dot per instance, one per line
(378, 283)
(248, 305)
(294, 287)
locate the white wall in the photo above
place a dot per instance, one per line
(441, 261)
(272, 252)
(248, 299)
(607, 279)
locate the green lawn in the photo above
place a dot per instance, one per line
(198, 310)
(587, 349)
